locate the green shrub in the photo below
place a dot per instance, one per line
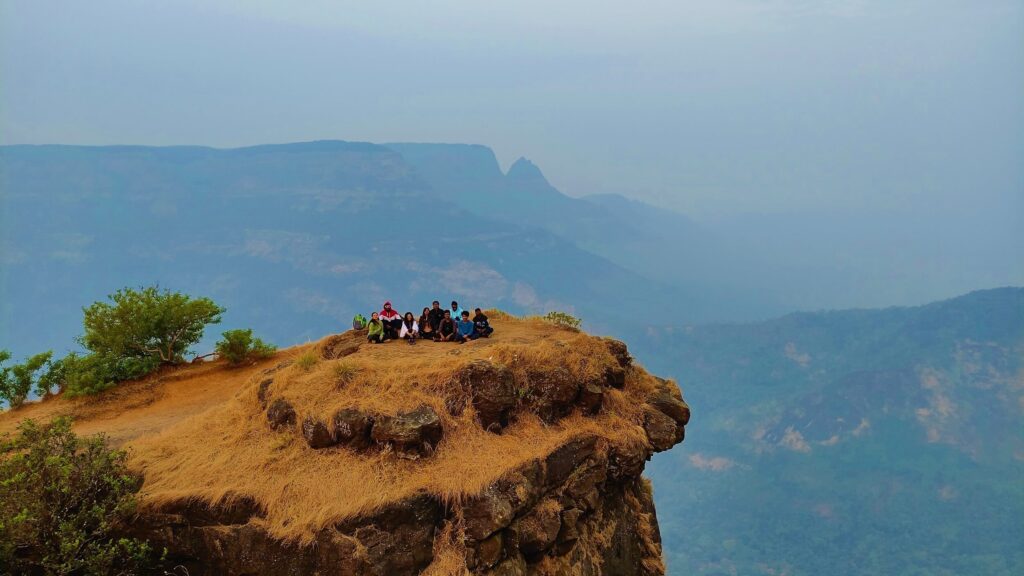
(307, 360)
(64, 504)
(18, 380)
(147, 324)
(344, 373)
(237, 346)
(563, 320)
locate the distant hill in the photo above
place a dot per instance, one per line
(294, 239)
(851, 442)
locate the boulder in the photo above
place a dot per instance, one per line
(513, 566)
(591, 398)
(662, 431)
(263, 393)
(536, 531)
(553, 393)
(495, 507)
(561, 462)
(489, 551)
(669, 401)
(493, 392)
(316, 433)
(620, 351)
(412, 434)
(626, 463)
(570, 531)
(281, 413)
(342, 345)
(352, 428)
(615, 376)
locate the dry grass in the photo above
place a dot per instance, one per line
(222, 448)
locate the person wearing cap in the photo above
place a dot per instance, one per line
(392, 321)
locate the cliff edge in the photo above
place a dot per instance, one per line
(518, 454)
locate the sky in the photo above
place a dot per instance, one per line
(712, 107)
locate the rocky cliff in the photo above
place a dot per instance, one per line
(519, 454)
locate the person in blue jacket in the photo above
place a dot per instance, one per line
(464, 328)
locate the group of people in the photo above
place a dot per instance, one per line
(435, 323)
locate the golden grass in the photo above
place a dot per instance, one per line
(223, 449)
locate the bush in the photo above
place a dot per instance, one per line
(147, 324)
(307, 360)
(64, 503)
(239, 345)
(18, 380)
(563, 320)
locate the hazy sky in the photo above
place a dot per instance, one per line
(709, 106)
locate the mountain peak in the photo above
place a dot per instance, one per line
(523, 169)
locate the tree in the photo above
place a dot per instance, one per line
(64, 504)
(147, 323)
(18, 380)
(237, 346)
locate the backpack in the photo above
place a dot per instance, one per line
(358, 322)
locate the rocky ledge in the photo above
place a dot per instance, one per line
(582, 508)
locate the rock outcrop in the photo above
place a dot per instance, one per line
(579, 505)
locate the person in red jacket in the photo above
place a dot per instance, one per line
(392, 321)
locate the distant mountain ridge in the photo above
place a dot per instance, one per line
(877, 441)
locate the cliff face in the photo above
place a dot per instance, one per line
(521, 454)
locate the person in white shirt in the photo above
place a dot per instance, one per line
(410, 328)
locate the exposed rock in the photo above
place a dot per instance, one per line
(615, 376)
(553, 393)
(620, 351)
(316, 433)
(352, 428)
(514, 566)
(536, 531)
(570, 531)
(489, 551)
(263, 394)
(624, 463)
(281, 413)
(342, 345)
(560, 463)
(591, 398)
(495, 507)
(669, 401)
(493, 392)
(412, 434)
(662, 432)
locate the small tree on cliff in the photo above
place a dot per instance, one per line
(65, 503)
(147, 324)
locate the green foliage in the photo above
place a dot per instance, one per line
(307, 360)
(239, 345)
(64, 502)
(147, 323)
(344, 373)
(563, 320)
(18, 380)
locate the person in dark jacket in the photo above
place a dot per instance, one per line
(426, 330)
(481, 327)
(464, 329)
(435, 315)
(446, 329)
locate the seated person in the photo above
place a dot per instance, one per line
(464, 329)
(426, 328)
(435, 315)
(392, 321)
(446, 330)
(481, 327)
(410, 329)
(376, 329)
(456, 311)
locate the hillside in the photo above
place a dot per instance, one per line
(882, 441)
(513, 455)
(321, 229)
